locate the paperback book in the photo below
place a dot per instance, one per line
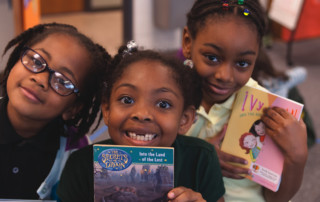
(129, 173)
(245, 136)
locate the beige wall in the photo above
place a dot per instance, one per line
(96, 4)
(6, 30)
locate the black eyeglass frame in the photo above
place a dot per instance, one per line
(51, 72)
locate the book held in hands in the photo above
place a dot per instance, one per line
(129, 173)
(246, 138)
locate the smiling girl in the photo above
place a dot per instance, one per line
(150, 100)
(223, 39)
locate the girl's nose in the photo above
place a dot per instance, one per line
(224, 72)
(142, 114)
(141, 118)
(41, 79)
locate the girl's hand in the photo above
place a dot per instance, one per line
(228, 170)
(291, 137)
(183, 194)
(287, 132)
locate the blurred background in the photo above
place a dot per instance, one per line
(293, 41)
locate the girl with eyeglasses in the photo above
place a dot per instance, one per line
(50, 99)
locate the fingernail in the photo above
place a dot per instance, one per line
(170, 195)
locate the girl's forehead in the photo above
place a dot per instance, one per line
(58, 39)
(147, 72)
(218, 20)
(146, 66)
(143, 69)
(232, 36)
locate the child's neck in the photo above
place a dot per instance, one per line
(206, 103)
(206, 106)
(24, 127)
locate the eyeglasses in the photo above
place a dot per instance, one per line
(33, 61)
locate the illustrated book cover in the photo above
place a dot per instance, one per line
(245, 136)
(129, 173)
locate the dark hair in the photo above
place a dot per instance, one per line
(202, 10)
(90, 95)
(186, 78)
(264, 68)
(253, 129)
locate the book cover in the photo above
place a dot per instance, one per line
(245, 136)
(129, 173)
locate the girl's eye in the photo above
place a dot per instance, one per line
(37, 64)
(212, 58)
(126, 100)
(164, 105)
(243, 64)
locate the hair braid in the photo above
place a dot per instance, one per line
(91, 111)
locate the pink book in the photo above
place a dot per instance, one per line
(245, 136)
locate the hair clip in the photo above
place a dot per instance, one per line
(246, 12)
(132, 46)
(225, 5)
(240, 2)
(188, 63)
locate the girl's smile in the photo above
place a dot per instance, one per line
(216, 89)
(140, 133)
(138, 138)
(31, 95)
(141, 136)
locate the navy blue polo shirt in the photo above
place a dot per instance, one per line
(25, 163)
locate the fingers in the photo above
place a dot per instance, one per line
(230, 170)
(183, 194)
(233, 172)
(276, 119)
(277, 114)
(288, 133)
(302, 124)
(230, 158)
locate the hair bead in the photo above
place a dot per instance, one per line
(240, 2)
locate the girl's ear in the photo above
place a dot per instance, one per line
(105, 112)
(72, 111)
(186, 43)
(187, 119)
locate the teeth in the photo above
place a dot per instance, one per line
(140, 137)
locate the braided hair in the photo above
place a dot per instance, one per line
(202, 10)
(90, 96)
(186, 78)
